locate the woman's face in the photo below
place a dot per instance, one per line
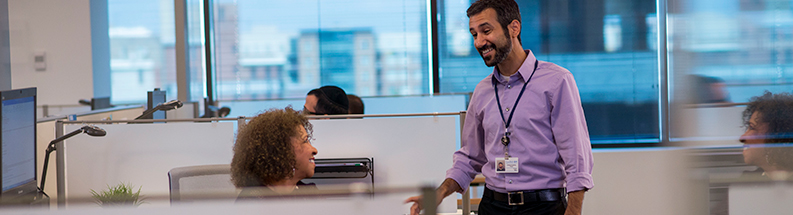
(304, 154)
(755, 136)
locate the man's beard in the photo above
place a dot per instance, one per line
(501, 52)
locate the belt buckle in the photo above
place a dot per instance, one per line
(515, 198)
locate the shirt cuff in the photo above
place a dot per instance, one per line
(461, 178)
(579, 181)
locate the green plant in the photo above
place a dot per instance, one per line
(119, 195)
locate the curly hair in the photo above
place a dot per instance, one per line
(263, 152)
(776, 111)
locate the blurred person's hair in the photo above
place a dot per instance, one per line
(263, 152)
(776, 112)
(331, 100)
(356, 104)
(704, 91)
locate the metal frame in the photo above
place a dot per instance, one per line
(433, 20)
(663, 73)
(209, 49)
(182, 47)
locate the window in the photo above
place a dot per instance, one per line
(141, 49)
(746, 45)
(287, 48)
(608, 45)
(726, 51)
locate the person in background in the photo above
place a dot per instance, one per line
(356, 104)
(768, 119)
(542, 138)
(273, 152)
(708, 90)
(327, 100)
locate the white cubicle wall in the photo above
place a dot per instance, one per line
(389, 203)
(141, 155)
(43, 111)
(708, 126)
(45, 132)
(648, 181)
(408, 151)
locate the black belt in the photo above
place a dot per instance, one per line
(528, 196)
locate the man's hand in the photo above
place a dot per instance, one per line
(448, 187)
(575, 201)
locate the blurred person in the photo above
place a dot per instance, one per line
(708, 90)
(545, 147)
(273, 152)
(356, 104)
(326, 100)
(768, 119)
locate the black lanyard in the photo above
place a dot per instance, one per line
(506, 122)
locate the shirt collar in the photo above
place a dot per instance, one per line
(524, 71)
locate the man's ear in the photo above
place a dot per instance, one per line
(514, 28)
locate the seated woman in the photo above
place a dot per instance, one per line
(769, 120)
(272, 154)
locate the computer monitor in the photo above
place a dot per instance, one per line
(18, 151)
(100, 103)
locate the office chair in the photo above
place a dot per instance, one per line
(202, 182)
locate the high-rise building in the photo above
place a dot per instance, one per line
(346, 58)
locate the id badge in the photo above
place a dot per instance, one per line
(509, 165)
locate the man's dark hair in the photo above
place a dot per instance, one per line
(331, 100)
(776, 112)
(506, 11)
(356, 104)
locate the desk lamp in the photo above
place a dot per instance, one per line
(88, 129)
(173, 104)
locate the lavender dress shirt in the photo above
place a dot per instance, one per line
(548, 132)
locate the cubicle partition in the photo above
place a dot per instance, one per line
(408, 149)
(708, 125)
(373, 105)
(45, 132)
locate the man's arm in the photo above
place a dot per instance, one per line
(572, 140)
(466, 162)
(448, 187)
(575, 201)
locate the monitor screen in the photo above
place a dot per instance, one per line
(18, 125)
(100, 103)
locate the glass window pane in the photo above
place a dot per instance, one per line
(283, 49)
(609, 46)
(141, 49)
(723, 52)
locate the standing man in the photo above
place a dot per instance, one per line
(526, 114)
